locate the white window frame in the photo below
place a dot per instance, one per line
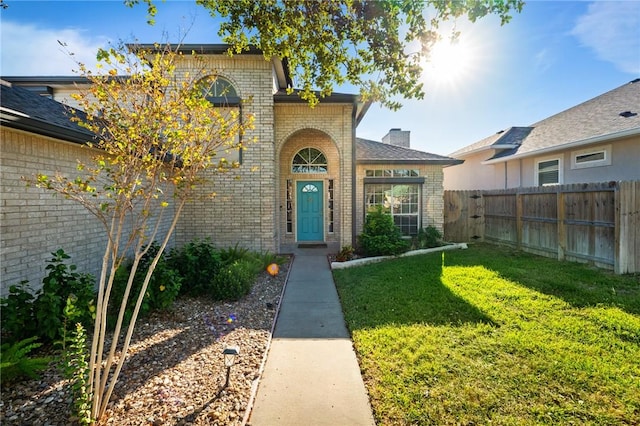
(536, 172)
(606, 161)
(390, 187)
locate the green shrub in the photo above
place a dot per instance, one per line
(165, 282)
(76, 370)
(266, 258)
(345, 254)
(42, 315)
(14, 360)
(235, 253)
(61, 283)
(162, 290)
(427, 238)
(233, 281)
(197, 263)
(380, 236)
(17, 313)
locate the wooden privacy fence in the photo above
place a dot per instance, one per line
(596, 222)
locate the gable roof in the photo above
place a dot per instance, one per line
(25, 110)
(504, 139)
(610, 116)
(372, 152)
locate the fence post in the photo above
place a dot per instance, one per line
(562, 230)
(519, 214)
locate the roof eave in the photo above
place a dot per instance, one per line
(575, 144)
(444, 162)
(198, 48)
(361, 110)
(19, 121)
(483, 149)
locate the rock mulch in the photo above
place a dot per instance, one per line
(175, 373)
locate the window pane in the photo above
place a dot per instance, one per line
(309, 160)
(593, 156)
(218, 87)
(548, 166)
(548, 172)
(401, 201)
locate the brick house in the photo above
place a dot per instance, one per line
(307, 179)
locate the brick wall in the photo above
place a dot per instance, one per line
(243, 211)
(33, 222)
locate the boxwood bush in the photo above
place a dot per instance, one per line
(380, 236)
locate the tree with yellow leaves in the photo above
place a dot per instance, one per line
(155, 135)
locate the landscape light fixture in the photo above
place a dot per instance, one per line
(230, 353)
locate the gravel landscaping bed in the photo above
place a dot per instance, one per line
(175, 373)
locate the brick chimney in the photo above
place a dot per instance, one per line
(398, 137)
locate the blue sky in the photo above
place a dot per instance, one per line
(553, 55)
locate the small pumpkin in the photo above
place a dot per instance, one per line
(273, 269)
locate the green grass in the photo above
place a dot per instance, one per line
(495, 336)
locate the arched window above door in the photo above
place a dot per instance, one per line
(309, 160)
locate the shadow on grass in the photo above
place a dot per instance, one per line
(579, 285)
(403, 291)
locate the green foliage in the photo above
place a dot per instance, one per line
(345, 254)
(380, 236)
(266, 258)
(219, 274)
(330, 43)
(61, 283)
(428, 237)
(76, 370)
(17, 313)
(14, 360)
(197, 262)
(234, 280)
(44, 315)
(162, 290)
(165, 281)
(231, 254)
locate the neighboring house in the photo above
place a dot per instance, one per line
(307, 179)
(596, 141)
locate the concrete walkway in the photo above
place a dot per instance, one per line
(311, 376)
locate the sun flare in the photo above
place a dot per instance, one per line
(449, 63)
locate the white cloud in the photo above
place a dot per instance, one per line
(30, 50)
(612, 30)
(543, 60)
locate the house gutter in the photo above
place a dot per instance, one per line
(596, 139)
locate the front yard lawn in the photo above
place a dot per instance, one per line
(493, 335)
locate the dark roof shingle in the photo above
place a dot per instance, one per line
(25, 110)
(599, 117)
(368, 151)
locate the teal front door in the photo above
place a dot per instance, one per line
(309, 211)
